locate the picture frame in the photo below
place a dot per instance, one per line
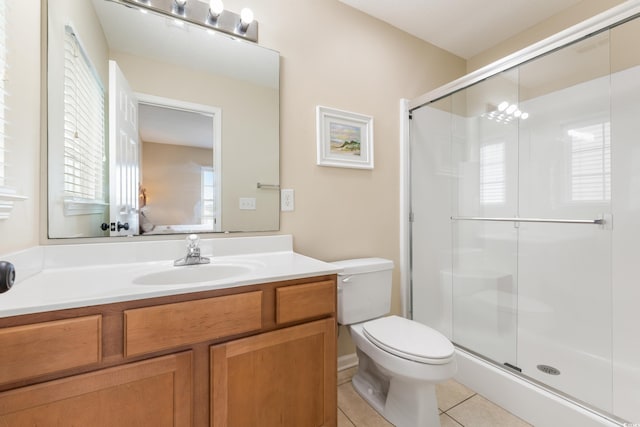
(344, 139)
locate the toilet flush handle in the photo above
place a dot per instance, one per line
(346, 279)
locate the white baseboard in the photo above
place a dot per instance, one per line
(347, 361)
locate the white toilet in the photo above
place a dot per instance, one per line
(400, 360)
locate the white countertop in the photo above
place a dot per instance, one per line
(62, 285)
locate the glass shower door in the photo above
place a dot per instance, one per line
(564, 269)
(484, 277)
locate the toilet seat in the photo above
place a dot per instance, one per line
(409, 339)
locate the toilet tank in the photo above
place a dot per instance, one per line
(364, 289)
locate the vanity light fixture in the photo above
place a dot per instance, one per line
(211, 15)
(505, 113)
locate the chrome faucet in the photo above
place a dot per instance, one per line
(193, 253)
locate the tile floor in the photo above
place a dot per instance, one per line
(459, 406)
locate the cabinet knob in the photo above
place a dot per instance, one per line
(104, 226)
(121, 226)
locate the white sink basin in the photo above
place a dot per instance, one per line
(193, 274)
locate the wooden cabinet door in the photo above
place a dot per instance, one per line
(155, 392)
(282, 378)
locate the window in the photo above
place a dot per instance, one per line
(3, 71)
(84, 126)
(8, 192)
(492, 174)
(208, 204)
(591, 163)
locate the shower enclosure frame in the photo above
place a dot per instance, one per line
(478, 372)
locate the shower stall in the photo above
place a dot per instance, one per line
(525, 225)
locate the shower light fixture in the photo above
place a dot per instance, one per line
(210, 14)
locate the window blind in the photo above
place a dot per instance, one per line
(84, 125)
(591, 163)
(207, 196)
(492, 174)
(3, 95)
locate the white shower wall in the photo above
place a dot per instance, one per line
(566, 267)
(625, 111)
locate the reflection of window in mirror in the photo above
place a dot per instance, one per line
(84, 131)
(492, 174)
(207, 211)
(591, 162)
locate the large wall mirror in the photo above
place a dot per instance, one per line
(157, 126)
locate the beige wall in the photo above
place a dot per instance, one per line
(21, 230)
(567, 18)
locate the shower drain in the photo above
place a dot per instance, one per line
(548, 369)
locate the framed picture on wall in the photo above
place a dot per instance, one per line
(344, 139)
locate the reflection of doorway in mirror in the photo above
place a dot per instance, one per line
(180, 166)
(124, 155)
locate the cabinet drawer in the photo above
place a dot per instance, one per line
(167, 326)
(41, 348)
(155, 392)
(305, 301)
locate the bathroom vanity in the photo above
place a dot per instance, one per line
(255, 349)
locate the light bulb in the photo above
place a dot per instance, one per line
(216, 7)
(503, 106)
(512, 108)
(517, 113)
(524, 116)
(246, 16)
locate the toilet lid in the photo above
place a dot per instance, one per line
(409, 339)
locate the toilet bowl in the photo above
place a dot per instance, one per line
(399, 360)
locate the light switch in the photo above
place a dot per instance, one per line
(247, 203)
(286, 200)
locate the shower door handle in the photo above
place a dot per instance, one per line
(598, 221)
